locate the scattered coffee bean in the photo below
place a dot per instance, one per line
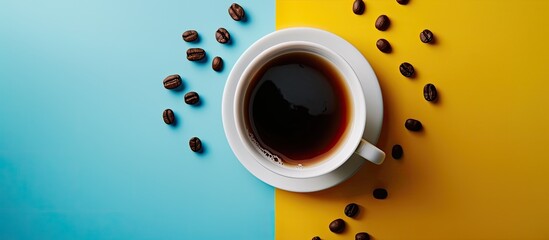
(195, 144)
(337, 226)
(402, 2)
(406, 69)
(351, 210)
(430, 92)
(195, 54)
(236, 12)
(217, 64)
(413, 125)
(383, 45)
(359, 7)
(397, 151)
(362, 236)
(382, 23)
(426, 36)
(316, 238)
(380, 193)
(191, 98)
(168, 116)
(172, 81)
(222, 35)
(190, 36)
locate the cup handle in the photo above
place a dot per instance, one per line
(370, 152)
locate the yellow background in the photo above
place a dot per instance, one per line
(480, 168)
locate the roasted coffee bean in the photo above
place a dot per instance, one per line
(402, 2)
(351, 210)
(382, 23)
(168, 116)
(316, 238)
(337, 226)
(236, 12)
(426, 36)
(362, 236)
(222, 35)
(190, 36)
(191, 98)
(217, 64)
(397, 151)
(359, 7)
(195, 54)
(195, 144)
(383, 45)
(406, 69)
(380, 193)
(430, 92)
(172, 81)
(413, 125)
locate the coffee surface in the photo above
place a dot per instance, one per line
(297, 106)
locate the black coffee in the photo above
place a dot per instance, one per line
(298, 107)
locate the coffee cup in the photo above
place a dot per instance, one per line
(300, 111)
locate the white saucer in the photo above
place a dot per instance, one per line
(372, 94)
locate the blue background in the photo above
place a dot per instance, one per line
(84, 153)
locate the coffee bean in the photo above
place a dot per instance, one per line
(190, 36)
(195, 144)
(236, 12)
(382, 23)
(351, 210)
(402, 2)
(413, 125)
(430, 92)
(337, 226)
(406, 69)
(362, 236)
(195, 54)
(397, 151)
(359, 7)
(168, 116)
(383, 45)
(380, 193)
(217, 64)
(316, 238)
(426, 36)
(222, 35)
(172, 81)
(191, 98)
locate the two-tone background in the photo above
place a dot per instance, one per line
(84, 153)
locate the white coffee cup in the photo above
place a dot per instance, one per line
(350, 142)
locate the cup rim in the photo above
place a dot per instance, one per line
(347, 143)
